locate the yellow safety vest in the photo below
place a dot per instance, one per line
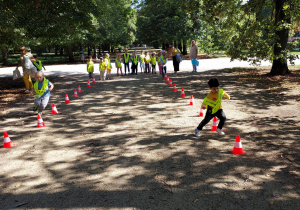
(135, 60)
(142, 58)
(153, 61)
(43, 89)
(162, 58)
(102, 66)
(148, 59)
(158, 60)
(39, 65)
(126, 57)
(215, 105)
(90, 66)
(118, 63)
(108, 66)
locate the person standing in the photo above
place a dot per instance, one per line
(172, 51)
(27, 66)
(134, 60)
(126, 58)
(193, 55)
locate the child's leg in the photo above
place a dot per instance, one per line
(37, 101)
(44, 102)
(121, 71)
(118, 71)
(207, 118)
(221, 115)
(159, 67)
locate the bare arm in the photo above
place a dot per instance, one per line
(51, 87)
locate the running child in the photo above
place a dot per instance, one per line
(90, 67)
(213, 104)
(42, 88)
(119, 65)
(163, 62)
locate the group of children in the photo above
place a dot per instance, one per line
(146, 60)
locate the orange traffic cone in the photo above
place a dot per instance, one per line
(170, 83)
(166, 76)
(54, 110)
(192, 100)
(214, 125)
(40, 122)
(79, 89)
(94, 81)
(182, 93)
(201, 112)
(167, 81)
(88, 84)
(75, 94)
(237, 149)
(7, 141)
(174, 87)
(67, 99)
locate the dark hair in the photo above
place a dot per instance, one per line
(213, 82)
(35, 56)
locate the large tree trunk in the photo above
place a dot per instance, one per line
(70, 53)
(180, 45)
(4, 56)
(280, 66)
(184, 52)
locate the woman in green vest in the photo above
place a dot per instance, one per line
(42, 87)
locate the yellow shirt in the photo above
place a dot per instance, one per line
(214, 96)
(174, 51)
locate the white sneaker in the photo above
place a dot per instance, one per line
(27, 91)
(220, 131)
(197, 132)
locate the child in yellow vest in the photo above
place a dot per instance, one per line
(90, 67)
(134, 66)
(102, 69)
(147, 60)
(119, 65)
(38, 63)
(158, 62)
(42, 87)
(153, 62)
(107, 66)
(213, 104)
(142, 61)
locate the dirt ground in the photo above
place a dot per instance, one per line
(128, 143)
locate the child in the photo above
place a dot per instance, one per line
(90, 68)
(213, 104)
(158, 62)
(38, 64)
(126, 58)
(134, 66)
(102, 69)
(107, 66)
(142, 61)
(163, 62)
(42, 87)
(153, 62)
(147, 61)
(119, 65)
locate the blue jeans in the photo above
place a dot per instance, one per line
(126, 65)
(147, 66)
(194, 67)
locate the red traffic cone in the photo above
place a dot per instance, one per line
(166, 76)
(182, 93)
(237, 149)
(67, 99)
(6, 141)
(214, 125)
(79, 89)
(88, 84)
(40, 122)
(201, 112)
(170, 83)
(174, 87)
(192, 100)
(75, 94)
(167, 81)
(54, 110)
(94, 81)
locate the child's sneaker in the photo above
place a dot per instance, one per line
(197, 132)
(35, 108)
(40, 112)
(220, 131)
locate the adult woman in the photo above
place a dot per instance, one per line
(193, 55)
(172, 51)
(27, 66)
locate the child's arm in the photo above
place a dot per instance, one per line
(43, 66)
(226, 95)
(51, 87)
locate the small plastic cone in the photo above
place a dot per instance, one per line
(79, 89)
(174, 87)
(75, 94)
(182, 93)
(167, 81)
(54, 110)
(237, 149)
(6, 141)
(88, 84)
(166, 76)
(40, 122)
(192, 100)
(170, 83)
(67, 99)
(201, 112)
(214, 125)
(94, 81)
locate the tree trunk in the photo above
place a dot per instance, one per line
(61, 53)
(89, 51)
(70, 53)
(279, 66)
(184, 52)
(4, 56)
(95, 51)
(56, 51)
(180, 45)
